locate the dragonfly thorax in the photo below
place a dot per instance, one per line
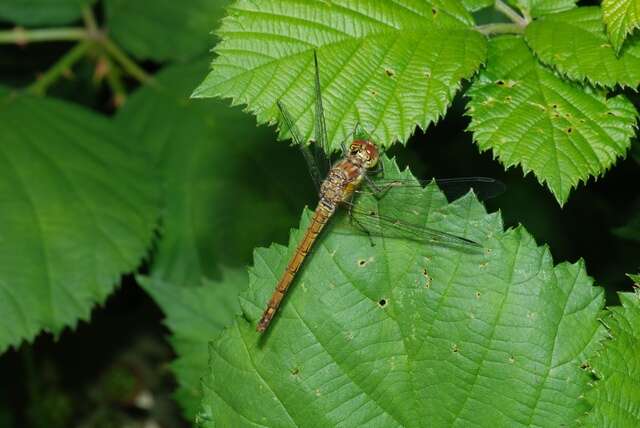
(363, 152)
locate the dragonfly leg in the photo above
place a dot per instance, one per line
(355, 222)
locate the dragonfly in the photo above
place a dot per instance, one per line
(344, 182)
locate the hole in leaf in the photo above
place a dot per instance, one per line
(477, 294)
(569, 130)
(455, 348)
(389, 72)
(500, 82)
(434, 11)
(295, 371)
(362, 263)
(382, 303)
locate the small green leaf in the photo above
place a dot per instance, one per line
(539, 8)
(408, 334)
(622, 18)
(473, 5)
(42, 12)
(220, 175)
(79, 206)
(195, 316)
(575, 43)
(631, 230)
(616, 394)
(388, 65)
(562, 132)
(635, 279)
(164, 30)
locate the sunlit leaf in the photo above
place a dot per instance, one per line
(635, 279)
(42, 12)
(616, 394)
(576, 44)
(388, 65)
(410, 334)
(622, 17)
(473, 5)
(561, 131)
(543, 7)
(164, 29)
(227, 187)
(195, 316)
(78, 208)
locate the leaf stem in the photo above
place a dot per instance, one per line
(127, 64)
(114, 80)
(39, 87)
(500, 28)
(506, 10)
(22, 36)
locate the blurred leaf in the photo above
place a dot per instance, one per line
(42, 12)
(622, 18)
(575, 43)
(195, 316)
(631, 230)
(635, 279)
(388, 65)
(79, 207)
(562, 132)
(616, 394)
(162, 30)
(539, 8)
(227, 186)
(473, 5)
(407, 334)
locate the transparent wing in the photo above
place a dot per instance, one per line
(310, 158)
(484, 187)
(373, 223)
(321, 125)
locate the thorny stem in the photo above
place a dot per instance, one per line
(125, 62)
(63, 65)
(500, 28)
(502, 7)
(22, 36)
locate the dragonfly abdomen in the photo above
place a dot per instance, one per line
(320, 218)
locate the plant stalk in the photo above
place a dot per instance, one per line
(506, 10)
(22, 36)
(39, 87)
(500, 28)
(127, 64)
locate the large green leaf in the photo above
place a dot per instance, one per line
(543, 7)
(78, 208)
(563, 132)
(622, 18)
(386, 65)
(195, 316)
(616, 395)
(409, 334)
(221, 176)
(42, 12)
(576, 44)
(473, 5)
(164, 29)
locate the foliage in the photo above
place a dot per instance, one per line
(137, 180)
(79, 208)
(403, 333)
(195, 316)
(616, 395)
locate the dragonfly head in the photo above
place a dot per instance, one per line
(365, 151)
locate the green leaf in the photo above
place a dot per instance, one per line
(220, 176)
(164, 30)
(79, 206)
(631, 230)
(42, 12)
(635, 279)
(622, 18)
(408, 334)
(386, 65)
(195, 316)
(575, 43)
(539, 8)
(616, 394)
(563, 132)
(473, 5)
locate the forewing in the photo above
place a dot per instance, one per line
(453, 188)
